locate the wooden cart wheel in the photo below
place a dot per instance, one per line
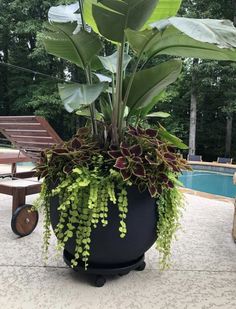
(24, 221)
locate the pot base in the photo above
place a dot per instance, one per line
(100, 271)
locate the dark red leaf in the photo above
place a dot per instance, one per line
(132, 131)
(67, 169)
(163, 178)
(174, 166)
(121, 163)
(125, 150)
(126, 174)
(171, 149)
(159, 190)
(60, 150)
(170, 184)
(83, 131)
(115, 154)
(137, 159)
(140, 131)
(152, 189)
(151, 132)
(136, 150)
(169, 156)
(76, 144)
(152, 179)
(139, 170)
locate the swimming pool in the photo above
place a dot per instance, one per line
(210, 182)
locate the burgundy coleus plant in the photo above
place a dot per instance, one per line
(148, 161)
(129, 160)
(76, 152)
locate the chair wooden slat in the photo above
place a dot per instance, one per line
(33, 145)
(15, 132)
(30, 126)
(32, 139)
(17, 119)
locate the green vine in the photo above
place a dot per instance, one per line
(169, 207)
(84, 196)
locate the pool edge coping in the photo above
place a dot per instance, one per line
(207, 195)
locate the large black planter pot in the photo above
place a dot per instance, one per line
(111, 254)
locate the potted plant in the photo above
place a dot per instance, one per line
(112, 190)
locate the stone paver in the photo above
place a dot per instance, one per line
(203, 274)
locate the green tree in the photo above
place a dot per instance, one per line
(23, 92)
(210, 87)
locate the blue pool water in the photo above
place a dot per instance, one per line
(28, 164)
(210, 182)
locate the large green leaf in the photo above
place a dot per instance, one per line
(164, 9)
(172, 41)
(143, 112)
(64, 13)
(112, 17)
(147, 84)
(175, 141)
(76, 96)
(88, 15)
(80, 48)
(222, 33)
(110, 62)
(158, 115)
(85, 112)
(147, 109)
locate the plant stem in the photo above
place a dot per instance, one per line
(89, 79)
(92, 106)
(131, 80)
(117, 114)
(134, 72)
(81, 13)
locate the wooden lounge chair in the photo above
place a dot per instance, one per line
(196, 158)
(31, 135)
(12, 158)
(224, 160)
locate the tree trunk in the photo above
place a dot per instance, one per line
(228, 142)
(229, 120)
(5, 81)
(193, 112)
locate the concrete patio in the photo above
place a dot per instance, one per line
(203, 274)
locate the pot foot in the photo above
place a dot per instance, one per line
(124, 273)
(99, 281)
(141, 267)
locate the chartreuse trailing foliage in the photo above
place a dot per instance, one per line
(84, 196)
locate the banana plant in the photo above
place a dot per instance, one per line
(139, 30)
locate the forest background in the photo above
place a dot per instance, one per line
(202, 103)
